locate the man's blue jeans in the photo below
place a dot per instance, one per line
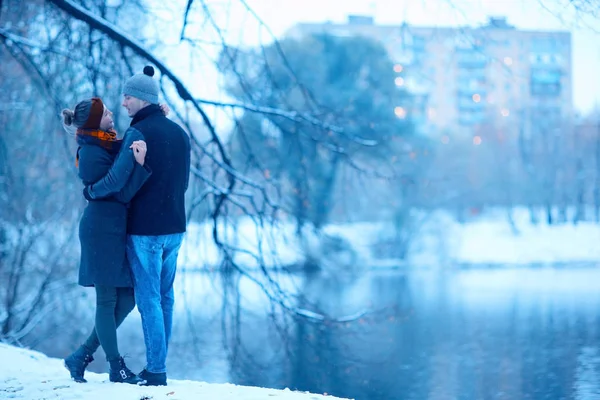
(154, 264)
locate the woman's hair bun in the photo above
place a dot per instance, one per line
(68, 116)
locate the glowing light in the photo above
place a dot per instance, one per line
(476, 98)
(399, 81)
(505, 112)
(476, 140)
(431, 113)
(400, 112)
(398, 68)
(508, 61)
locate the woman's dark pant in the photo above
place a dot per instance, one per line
(112, 307)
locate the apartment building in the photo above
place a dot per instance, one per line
(465, 80)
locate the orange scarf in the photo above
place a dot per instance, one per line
(106, 139)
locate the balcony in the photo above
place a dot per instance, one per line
(546, 75)
(471, 117)
(471, 59)
(545, 89)
(469, 89)
(474, 74)
(545, 82)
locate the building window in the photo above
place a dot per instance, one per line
(547, 44)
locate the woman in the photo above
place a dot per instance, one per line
(102, 233)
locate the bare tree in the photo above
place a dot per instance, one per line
(41, 197)
(82, 40)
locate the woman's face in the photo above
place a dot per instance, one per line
(107, 123)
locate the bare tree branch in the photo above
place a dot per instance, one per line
(7, 35)
(114, 33)
(290, 115)
(120, 37)
(185, 18)
(310, 100)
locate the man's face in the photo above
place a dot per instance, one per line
(133, 105)
(107, 123)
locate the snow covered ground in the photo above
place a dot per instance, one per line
(438, 239)
(26, 374)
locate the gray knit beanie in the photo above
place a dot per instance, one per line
(142, 86)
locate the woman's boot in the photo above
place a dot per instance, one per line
(77, 362)
(119, 373)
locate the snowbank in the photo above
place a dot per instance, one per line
(493, 242)
(438, 240)
(26, 374)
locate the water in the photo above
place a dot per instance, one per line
(460, 334)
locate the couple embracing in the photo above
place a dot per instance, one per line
(133, 225)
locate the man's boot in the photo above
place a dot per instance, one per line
(152, 378)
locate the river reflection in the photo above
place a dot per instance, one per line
(459, 334)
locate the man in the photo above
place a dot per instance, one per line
(156, 218)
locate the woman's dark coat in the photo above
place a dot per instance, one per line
(103, 226)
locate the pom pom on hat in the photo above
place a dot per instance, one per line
(149, 70)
